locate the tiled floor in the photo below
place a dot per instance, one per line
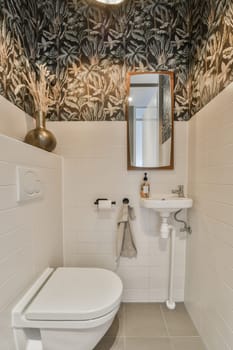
(151, 326)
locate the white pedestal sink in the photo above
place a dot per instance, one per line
(165, 205)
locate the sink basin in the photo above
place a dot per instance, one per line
(166, 203)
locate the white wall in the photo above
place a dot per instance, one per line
(13, 121)
(209, 276)
(95, 166)
(30, 233)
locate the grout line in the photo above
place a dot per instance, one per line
(164, 319)
(172, 345)
(197, 337)
(185, 336)
(123, 325)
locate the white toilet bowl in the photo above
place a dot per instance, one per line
(67, 308)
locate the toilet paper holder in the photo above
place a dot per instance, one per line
(103, 199)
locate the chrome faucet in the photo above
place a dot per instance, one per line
(179, 190)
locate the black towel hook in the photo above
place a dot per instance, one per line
(125, 201)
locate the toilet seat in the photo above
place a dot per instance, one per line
(76, 294)
(67, 308)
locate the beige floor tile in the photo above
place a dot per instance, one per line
(178, 321)
(148, 344)
(187, 343)
(141, 326)
(111, 343)
(144, 320)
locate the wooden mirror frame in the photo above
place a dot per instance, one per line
(171, 165)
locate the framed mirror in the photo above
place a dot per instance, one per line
(150, 115)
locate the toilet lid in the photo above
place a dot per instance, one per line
(76, 294)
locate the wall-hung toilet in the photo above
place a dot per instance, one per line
(67, 309)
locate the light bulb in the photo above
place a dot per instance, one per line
(110, 2)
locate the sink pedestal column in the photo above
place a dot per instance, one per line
(165, 205)
(167, 230)
(170, 302)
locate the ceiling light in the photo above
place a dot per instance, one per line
(110, 2)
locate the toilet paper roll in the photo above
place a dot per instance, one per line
(104, 204)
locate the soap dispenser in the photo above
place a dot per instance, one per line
(145, 187)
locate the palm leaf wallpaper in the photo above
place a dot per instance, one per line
(71, 57)
(211, 58)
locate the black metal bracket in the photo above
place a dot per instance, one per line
(103, 199)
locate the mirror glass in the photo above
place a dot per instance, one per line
(150, 120)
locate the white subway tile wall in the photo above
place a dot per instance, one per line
(95, 166)
(209, 272)
(30, 233)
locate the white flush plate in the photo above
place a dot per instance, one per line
(28, 184)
